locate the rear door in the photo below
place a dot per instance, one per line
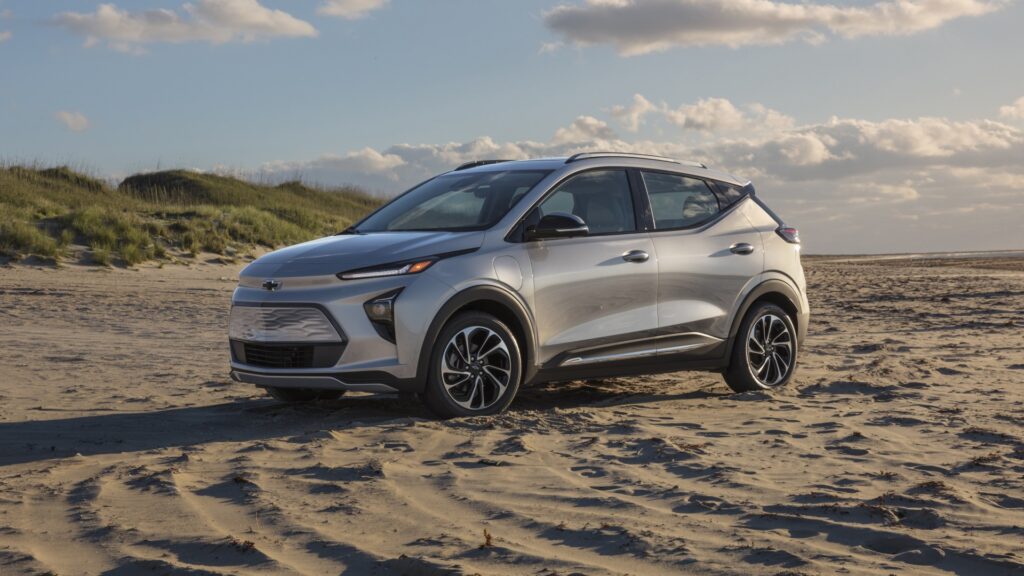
(708, 253)
(589, 298)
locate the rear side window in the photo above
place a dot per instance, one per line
(728, 195)
(602, 198)
(678, 201)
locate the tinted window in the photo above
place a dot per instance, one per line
(728, 195)
(601, 197)
(678, 201)
(455, 201)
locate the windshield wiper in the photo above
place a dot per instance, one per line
(350, 230)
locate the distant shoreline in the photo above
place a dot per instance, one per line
(922, 255)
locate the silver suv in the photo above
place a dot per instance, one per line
(500, 274)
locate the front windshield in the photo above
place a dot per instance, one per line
(454, 201)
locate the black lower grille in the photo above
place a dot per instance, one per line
(287, 355)
(279, 356)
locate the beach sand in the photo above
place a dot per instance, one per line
(899, 447)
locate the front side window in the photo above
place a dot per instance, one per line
(453, 202)
(602, 198)
(678, 201)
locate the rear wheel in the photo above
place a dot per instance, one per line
(303, 394)
(764, 353)
(475, 367)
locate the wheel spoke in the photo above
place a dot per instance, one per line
(505, 372)
(759, 349)
(498, 345)
(767, 361)
(449, 385)
(499, 388)
(473, 391)
(447, 368)
(784, 365)
(463, 355)
(497, 382)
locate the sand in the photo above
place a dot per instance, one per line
(899, 447)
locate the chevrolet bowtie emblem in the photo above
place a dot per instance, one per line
(271, 285)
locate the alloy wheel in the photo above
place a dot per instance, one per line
(769, 350)
(476, 368)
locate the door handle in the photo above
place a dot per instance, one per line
(636, 256)
(741, 248)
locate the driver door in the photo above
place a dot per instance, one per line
(594, 294)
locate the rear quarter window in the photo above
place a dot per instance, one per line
(728, 194)
(678, 201)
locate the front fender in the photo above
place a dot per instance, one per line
(489, 295)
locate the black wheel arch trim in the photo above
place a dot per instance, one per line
(483, 293)
(767, 287)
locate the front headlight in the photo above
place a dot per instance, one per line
(389, 270)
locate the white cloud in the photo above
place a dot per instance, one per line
(708, 115)
(5, 35)
(585, 129)
(640, 27)
(73, 121)
(910, 182)
(213, 21)
(973, 176)
(365, 162)
(350, 9)
(937, 137)
(801, 149)
(633, 115)
(1014, 111)
(839, 148)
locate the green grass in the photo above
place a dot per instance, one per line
(43, 212)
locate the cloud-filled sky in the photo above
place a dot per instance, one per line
(873, 125)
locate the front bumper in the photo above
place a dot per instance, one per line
(293, 346)
(311, 381)
(314, 333)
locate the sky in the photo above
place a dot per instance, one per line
(875, 126)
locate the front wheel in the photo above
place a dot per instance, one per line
(475, 367)
(303, 394)
(764, 353)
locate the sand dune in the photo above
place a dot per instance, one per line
(124, 448)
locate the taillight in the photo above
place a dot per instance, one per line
(789, 234)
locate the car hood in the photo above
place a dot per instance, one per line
(334, 254)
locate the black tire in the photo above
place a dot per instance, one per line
(743, 375)
(292, 395)
(447, 394)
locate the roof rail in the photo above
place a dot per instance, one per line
(587, 155)
(476, 163)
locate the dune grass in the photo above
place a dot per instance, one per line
(44, 212)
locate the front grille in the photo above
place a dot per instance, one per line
(279, 356)
(287, 355)
(268, 324)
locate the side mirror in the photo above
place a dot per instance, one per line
(558, 225)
